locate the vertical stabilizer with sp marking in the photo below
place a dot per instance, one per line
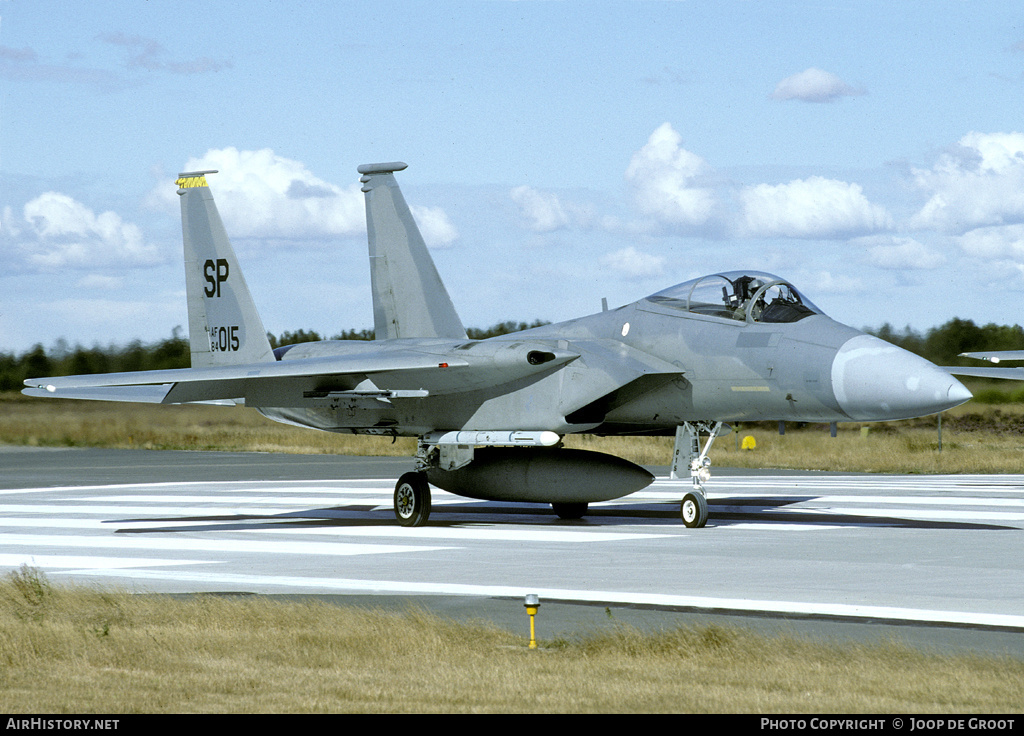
(409, 298)
(223, 324)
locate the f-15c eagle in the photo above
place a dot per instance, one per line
(490, 414)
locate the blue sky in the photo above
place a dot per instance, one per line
(870, 152)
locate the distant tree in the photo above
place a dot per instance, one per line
(293, 338)
(92, 360)
(944, 344)
(135, 357)
(474, 333)
(10, 372)
(503, 328)
(354, 335)
(37, 364)
(173, 352)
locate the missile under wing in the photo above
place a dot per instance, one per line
(489, 415)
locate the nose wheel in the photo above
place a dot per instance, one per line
(694, 510)
(689, 454)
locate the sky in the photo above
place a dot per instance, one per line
(871, 153)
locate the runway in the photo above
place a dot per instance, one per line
(938, 552)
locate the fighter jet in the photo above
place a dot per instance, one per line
(490, 415)
(1008, 373)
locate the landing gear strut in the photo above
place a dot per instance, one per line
(688, 453)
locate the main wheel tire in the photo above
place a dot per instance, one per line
(570, 510)
(412, 499)
(694, 510)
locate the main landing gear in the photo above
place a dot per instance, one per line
(412, 492)
(569, 510)
(412, 499)
(688, 453)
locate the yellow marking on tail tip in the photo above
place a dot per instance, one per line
(190, 182)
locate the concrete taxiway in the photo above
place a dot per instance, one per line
(932, 559)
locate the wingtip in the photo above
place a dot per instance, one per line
(385, 168)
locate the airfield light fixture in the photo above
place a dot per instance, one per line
(532, 604)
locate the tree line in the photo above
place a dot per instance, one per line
(942, 345)
(173, 352)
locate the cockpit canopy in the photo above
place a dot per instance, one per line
(748, 296)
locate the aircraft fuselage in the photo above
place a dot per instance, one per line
(811, 370)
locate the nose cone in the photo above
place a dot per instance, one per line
(876, 381)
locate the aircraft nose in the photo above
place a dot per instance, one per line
(876, 381)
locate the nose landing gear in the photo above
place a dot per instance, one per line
(688, 453)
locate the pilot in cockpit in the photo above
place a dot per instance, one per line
(744, 289)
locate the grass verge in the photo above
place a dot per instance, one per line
(976, 438)
(69, 650)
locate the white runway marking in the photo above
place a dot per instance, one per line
(266, 536)
(134, 541)
(888, 613)
(83, 562)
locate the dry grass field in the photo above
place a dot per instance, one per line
(976, 438)
(87, 651)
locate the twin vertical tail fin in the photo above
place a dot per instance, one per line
(223, 324)
(409, 298)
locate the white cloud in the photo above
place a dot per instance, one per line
(901, 253)
(824, 283)
(633, 264)
(100, 282)
(435, 227)
(665, 179)
(262, 195)
(994, 243)
(809, 208)
(813, 85)
(545, 212)
(9, 223)
(57, 231)
(978, 183)
(541, 210)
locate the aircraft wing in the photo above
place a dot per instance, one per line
(225, 383)
(376, 371)
(993, 356)
(135, 394)
(618, 374)
(1009, 374)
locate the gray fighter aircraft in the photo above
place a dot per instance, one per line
(490, 414)
(1009, 373)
